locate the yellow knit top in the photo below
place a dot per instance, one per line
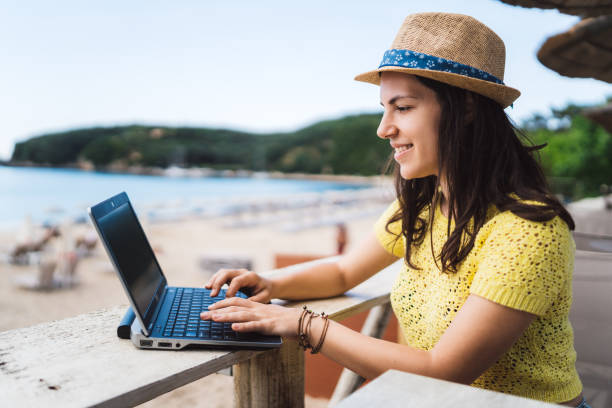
(522, 264)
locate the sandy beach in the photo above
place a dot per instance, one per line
(180, 246)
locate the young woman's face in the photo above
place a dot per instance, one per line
(410, 122)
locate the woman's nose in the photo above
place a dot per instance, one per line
(386, 129)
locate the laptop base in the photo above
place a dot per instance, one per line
(168, 343)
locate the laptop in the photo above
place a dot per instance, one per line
(167, 317)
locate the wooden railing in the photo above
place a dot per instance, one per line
(80, 362)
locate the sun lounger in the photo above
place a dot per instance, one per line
(51, 274)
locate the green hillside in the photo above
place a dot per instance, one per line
(344, 146)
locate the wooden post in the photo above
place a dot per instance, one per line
(271, 379)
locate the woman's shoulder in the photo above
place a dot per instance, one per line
(519, 228)
(388, 233)
(523, 263)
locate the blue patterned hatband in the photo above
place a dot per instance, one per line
(413, 59)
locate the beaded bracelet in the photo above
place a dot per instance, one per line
(317, 348)
(302, 339)
(304, 330)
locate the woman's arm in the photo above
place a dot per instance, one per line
(334, 278)
(320, 281)
(480, 334)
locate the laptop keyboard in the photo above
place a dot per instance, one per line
(184, 318)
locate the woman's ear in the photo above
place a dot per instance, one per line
(469, 108)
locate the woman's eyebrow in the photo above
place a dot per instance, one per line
(395, 98)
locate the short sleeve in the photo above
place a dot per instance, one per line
(392, 241)
(524, 264)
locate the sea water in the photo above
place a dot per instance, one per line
(53, 195)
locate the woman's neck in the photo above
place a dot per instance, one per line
(444, 207)
(443, 199)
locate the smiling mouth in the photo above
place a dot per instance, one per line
(401, 149)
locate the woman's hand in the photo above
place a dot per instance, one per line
(261, 288)
(249, 316)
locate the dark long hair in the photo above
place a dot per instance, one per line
(484, 162)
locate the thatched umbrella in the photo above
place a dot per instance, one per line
(585, 51)
(585, 8)
(601, 115)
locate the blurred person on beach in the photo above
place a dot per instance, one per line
(19, 253)
(484, 290)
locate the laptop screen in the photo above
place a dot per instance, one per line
(133, 255)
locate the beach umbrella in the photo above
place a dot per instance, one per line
(601, 115)
(584, 8)
(584, 51)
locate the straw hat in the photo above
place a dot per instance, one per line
(452, 48)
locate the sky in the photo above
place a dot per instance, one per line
(260, 66)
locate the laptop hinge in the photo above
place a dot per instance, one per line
(158, 308)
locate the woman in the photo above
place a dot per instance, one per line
(482, 238)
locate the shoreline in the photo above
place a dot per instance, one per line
(204, 172)
(331, 206)
(257, 191)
